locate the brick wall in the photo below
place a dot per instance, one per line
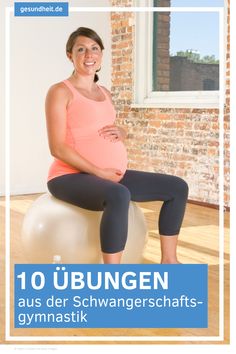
(185, 75)
(182, 142)
(161, 67)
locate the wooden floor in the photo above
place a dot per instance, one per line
(198, 243)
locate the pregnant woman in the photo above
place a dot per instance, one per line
(90, 160)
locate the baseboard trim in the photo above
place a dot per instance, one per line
(208, 205)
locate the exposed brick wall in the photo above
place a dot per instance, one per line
(185, 75)
(182, 142)
(162, 47)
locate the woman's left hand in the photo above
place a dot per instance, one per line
(112, 133)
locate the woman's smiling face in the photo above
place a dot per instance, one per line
(86, 56)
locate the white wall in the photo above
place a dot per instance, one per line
(37, 60)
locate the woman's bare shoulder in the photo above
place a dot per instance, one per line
(107, 91)
(104, 88)
(59, 90)
(58, 87)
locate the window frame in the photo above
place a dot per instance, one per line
(144, 96)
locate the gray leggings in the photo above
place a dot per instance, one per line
(95, 193)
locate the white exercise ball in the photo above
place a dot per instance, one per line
(53, 229)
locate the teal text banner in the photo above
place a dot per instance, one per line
(111, 296)
(41, 9)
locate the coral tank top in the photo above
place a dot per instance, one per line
(84, 118)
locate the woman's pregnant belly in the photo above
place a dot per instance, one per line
(102, 152)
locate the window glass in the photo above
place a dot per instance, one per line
(189, 3)
(186, 47)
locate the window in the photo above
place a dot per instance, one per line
(209, 84)
(178, 54)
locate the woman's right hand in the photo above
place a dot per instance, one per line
(112, 174)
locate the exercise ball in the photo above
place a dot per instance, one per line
(56, 230)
